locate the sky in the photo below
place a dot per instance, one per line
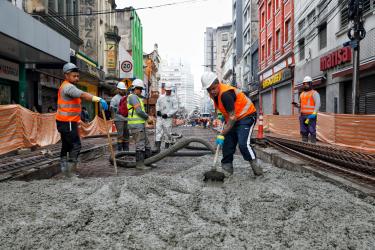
(179, 30)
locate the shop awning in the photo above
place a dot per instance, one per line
(25, 39)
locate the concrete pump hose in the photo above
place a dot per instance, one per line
(168, 152)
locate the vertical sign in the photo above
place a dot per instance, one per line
(88, 28)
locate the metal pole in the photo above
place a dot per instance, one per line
(355, 84)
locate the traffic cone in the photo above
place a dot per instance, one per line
(114, 130)
(260, 127)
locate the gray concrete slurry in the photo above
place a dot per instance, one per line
(166, 209)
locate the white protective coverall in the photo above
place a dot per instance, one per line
(167, 106)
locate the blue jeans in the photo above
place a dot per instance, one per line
(241, 134)
(306, 129)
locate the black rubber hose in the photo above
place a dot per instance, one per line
(168, 152)
(179, 153)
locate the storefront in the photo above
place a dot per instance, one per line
(276, 93)
(48, 87)
(9, 77)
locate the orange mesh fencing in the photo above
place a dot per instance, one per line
(356, 132)
(22, 128)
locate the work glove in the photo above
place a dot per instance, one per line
(220, 140)
(104, 104)
(164, 116)
(101, 101)
(312, 116)
(158, 113)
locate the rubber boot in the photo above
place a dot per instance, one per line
(313, 139)
(227, 169)
(139, 160)
(305, 138)
(64, 166)
(125, 146)
(119, 146)
(166, 145)
(255, 166)
(72, 166)
(148, 154)
(157, 146)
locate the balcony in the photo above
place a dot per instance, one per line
(59, 24)
(112, 34)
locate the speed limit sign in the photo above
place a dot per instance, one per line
(126, 66)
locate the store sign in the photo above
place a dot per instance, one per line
(276, 78)
(336, 58)
(49, 81)
(111, 56)
(9, 70)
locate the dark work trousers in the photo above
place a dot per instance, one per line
(122, 131)
(71, 143)
(241, 134)
(306, 129)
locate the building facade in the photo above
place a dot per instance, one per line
(210, 50)
(276, 56)
(321, 32)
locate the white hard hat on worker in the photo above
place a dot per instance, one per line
(307, 79)
(121, 85)
(168, 86)
(208, 78)
(138, 83)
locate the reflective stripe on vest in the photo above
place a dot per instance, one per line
(243, 106)
(133, 117)
(68, 110)
(307, 102)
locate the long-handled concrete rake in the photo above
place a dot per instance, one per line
(213, 174)
(110, 142)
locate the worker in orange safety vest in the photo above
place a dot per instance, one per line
(240, 116)
(309, 106)
(68, 116)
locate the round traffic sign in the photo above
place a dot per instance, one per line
(126, 66)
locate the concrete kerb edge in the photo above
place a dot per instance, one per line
(285, 161)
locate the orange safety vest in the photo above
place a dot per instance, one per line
(68, 111)
(307, 102)
(243, 106)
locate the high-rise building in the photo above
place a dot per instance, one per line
(179, 74)
(210, 50)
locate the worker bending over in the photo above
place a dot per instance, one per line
(240, 117)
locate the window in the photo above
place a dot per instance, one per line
(224, 37)
(278, 39)
(263, 20)
(301, 25)
(276, 4)
(263, 51)
(287, 31)
(301, 49)
(269, 10)
(269, 47)
(322, 36)
(311, 17)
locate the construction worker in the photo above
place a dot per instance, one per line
(137, 117)
(309, 104)
(240, 117)
(120, 118)
(68, 116)
(166, 108)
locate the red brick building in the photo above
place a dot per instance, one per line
(276, 56)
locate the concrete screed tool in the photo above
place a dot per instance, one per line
(213, 174)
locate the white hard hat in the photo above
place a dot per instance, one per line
(168, 86)
(121, 85)
(138, 83)
(307, 79)
(69, 67)
(208, 78)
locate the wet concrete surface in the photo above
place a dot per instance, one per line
(171, 207)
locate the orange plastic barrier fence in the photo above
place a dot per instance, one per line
(22, 128)
(355, 132)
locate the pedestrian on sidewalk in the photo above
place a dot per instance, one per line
(119, 111)
(137, 118)
(240, 116)
(68, 116)
(166, 108)
(309, 105)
